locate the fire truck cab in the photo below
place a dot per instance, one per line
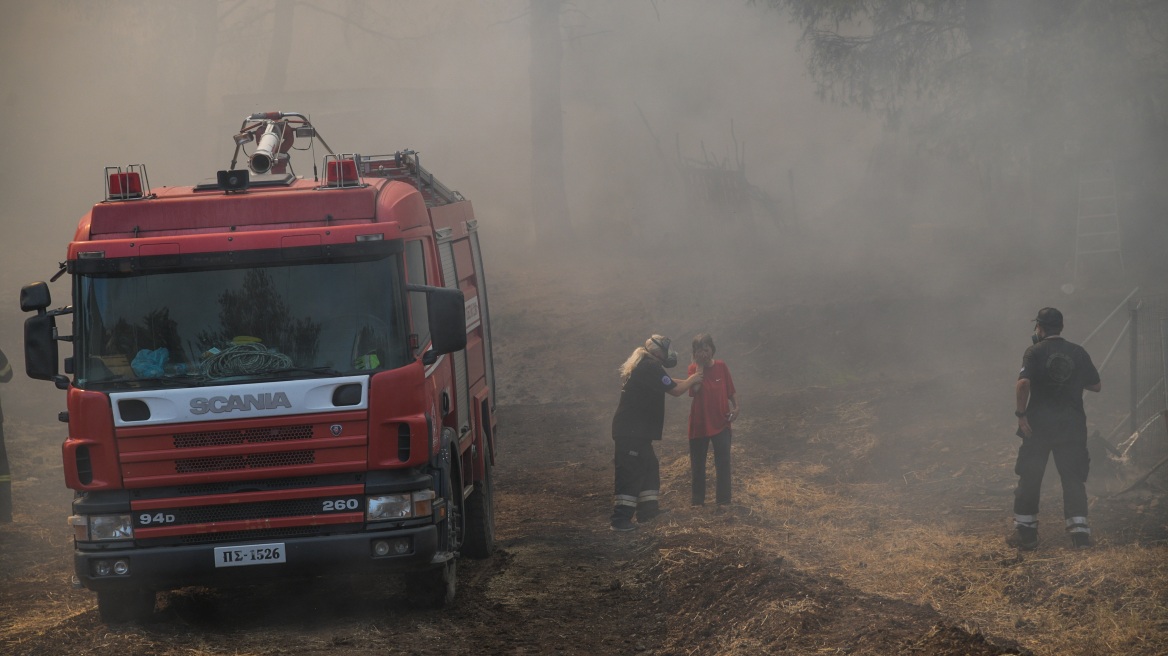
(273, 375)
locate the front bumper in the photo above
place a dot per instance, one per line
(167, 568)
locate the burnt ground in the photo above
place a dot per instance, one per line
(873, 473)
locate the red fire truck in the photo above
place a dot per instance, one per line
(273, 375)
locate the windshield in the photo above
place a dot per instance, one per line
(207, 327)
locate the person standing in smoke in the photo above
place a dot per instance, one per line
(711, 411)
(5, 474)
(638, 422)
(1051, 419)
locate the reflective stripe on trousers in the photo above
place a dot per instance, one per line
(1029, 521)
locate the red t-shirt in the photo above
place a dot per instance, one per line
(711, 404)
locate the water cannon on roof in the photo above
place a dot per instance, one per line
(268, 151)
(274, 134)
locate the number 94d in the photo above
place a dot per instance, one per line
(146, 519)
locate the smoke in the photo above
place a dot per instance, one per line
(128, 82)
(645, 86)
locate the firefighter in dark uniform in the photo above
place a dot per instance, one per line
(1051, 420)
(5, 474)
(638, 422)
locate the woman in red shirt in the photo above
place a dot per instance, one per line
(710, 413)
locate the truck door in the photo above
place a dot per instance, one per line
(416, 274)
(461, 390)
(481, 283)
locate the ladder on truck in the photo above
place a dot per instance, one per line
(1097, 222)
(406, 166)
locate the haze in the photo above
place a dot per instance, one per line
(95, 84)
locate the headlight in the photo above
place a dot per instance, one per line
(399, 506)
(387, 506)
(102, 527)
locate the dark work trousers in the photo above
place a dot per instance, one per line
(5, 479)
(698, 447)
(638, 479)
(1072, 461)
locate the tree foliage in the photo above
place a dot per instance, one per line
(993, 73)
(257, 309)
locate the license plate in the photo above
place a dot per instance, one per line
(250, 554)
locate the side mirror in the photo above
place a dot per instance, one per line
(447, 313)
(40, 345)
(35, 296)
(40, 335)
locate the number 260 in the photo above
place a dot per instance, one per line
(341, 504)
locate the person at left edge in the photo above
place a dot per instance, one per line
(5, 474)
(638, 422)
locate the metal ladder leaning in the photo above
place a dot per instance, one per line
(1097, 222)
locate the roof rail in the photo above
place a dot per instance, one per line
(406, 166)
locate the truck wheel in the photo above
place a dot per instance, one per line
(121, 606)
(480, 516)
(435, 588)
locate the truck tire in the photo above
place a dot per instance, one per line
(435, 588)
(479, 541)
(122, 606)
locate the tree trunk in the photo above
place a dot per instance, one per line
(549, 203)
(276, 74)
(195, 32)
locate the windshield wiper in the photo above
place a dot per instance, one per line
(182, 380)
(320, 371)
(175, 380)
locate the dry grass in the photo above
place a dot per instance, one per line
(1112, 599)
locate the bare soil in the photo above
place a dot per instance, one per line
(872, 485)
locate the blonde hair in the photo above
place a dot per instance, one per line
(639, 354)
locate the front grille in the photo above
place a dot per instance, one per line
(269, 484)
(257, 510)
(248, 461)
(256, 485)
(244, 436)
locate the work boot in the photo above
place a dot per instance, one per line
(623, 525)
(1080, 532)
(1025, 538)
